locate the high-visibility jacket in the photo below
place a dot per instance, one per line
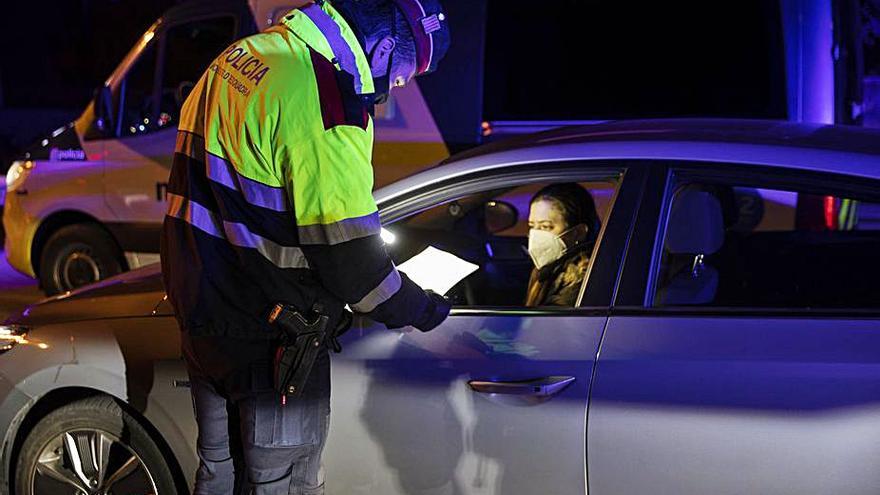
(270, 193)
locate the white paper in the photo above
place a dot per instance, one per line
(437, 270)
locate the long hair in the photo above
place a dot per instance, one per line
(575, 203)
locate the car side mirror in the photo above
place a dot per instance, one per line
(103, 107)
(500, 216)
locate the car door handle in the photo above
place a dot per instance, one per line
(539, 387)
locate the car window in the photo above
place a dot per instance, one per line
(187, 50)
(491, 230)
(738, 245)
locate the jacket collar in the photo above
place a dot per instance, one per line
(571, 255)
(325, 31)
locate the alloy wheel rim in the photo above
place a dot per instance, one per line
(79, 268)
(90, 462)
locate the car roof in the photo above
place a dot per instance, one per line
(814, 147)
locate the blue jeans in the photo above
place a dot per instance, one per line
(249, 442)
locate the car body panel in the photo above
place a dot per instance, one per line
(138, 177)
(157, 384)
(405, 420)
(130, 294)
(727, 404)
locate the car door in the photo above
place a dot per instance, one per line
(743, 351)
(494, 399)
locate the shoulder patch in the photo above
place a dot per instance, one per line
(340, 105)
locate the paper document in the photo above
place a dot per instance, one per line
(436, 270)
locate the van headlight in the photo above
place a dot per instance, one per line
(17, 174)
(10, 335)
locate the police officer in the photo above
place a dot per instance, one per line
(270, 200)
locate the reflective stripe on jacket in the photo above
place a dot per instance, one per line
(270, 194)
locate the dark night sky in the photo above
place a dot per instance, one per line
(611, 58)
(56, 53)
(625, 59)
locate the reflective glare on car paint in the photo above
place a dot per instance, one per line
(405, 402)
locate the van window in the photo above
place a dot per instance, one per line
(134, 97)
(151, 94)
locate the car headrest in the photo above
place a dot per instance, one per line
(696, 224)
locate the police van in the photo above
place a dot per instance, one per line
(88, 200)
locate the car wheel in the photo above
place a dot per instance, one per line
(90, 447)
(78, 255)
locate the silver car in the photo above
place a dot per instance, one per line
(725, 339)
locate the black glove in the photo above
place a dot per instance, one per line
(343, 326)
(435, 312)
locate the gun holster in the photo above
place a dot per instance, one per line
(302, 337)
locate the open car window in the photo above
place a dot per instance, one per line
(491, 230)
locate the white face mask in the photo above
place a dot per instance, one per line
(545, 247)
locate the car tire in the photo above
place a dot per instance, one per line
(76, 255)
(70, 434)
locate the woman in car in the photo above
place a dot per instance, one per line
(563, 226)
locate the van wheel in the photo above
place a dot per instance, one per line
(91, 447)
(78, 255)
